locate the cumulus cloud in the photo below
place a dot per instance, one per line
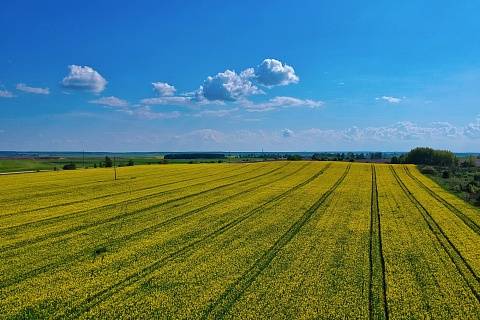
(163, 89)
(6, 94)
(281, 103)
(389, 99)
(272, 73)
(287, 133)
(472, 130)
(228, 86)
(24, 87)
(110, 102)
(85, 79)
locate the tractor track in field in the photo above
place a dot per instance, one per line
(132, 236)
(377, 295)
(471, 224)
(119, 194)
(149, 229)
(468, 274)
(157, 174)
(227, 300)
(136, 277)
(114, 206)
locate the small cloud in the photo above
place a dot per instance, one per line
(200, 137)
(110, 101)
(6, 94)
(390, 99)
(24, 87)
(163, 89)
(272, 73)
(216, 113)
(281, 103)
(146, 112)
(287, 133)
(84, 79)
(179, 101)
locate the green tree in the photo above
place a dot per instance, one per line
(108, 162)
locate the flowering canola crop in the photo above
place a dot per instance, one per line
(270, 240)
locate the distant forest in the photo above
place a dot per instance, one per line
(190, 156)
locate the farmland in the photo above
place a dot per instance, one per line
(245, 240)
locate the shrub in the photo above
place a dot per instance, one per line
(428, 170)
(70, 166)
(446, 174)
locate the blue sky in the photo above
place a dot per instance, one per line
(239, 76)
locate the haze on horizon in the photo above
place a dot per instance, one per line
(216, 76)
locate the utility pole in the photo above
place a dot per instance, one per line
(114, 167)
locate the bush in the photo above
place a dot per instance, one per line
(294, 157)
(428, 170)
(70, 166)
(446, 174)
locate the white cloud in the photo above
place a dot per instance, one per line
(6, 94)
(110, 101)
(472, 130)
(203, 136)
(281, 102)
(24, 87)
(272, 73)
(287, 133)
(228, 86)
(163, 89)
(146, 112)
(390, 99)
(84, 78)
(178, 101)
(215, 113)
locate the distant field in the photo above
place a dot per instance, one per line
(269, 240)
(15, 164)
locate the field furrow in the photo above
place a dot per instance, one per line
(186, 250)
(57, 241)
(126, 196)
(377, 287)
(463, 266)
(225, 302)
(421, 278)
(472, 220)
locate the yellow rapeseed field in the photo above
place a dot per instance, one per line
(267, 240)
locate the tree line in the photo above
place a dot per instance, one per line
(427, 156)
(189, 156)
